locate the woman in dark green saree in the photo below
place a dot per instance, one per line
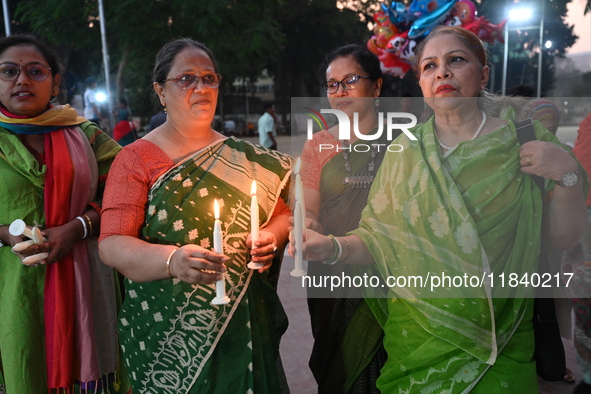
(158, 232)
(347, 354)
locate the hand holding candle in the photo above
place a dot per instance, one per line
(18, 228)
(220, 286)
(254, 223)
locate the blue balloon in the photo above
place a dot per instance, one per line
(398, 14)
(421, 7)
(422, 26)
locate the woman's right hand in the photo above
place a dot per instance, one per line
(316, 247)
(194, 264)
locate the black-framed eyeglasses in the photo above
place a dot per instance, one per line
(36, 72)
(190, 81)
(349, 83)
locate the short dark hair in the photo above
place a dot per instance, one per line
(267, 106)
(166, 55)
(362, 56)
(43, 48)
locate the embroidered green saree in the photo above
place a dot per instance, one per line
(174, 340)
(470, 211)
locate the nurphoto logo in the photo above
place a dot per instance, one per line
(392, 123)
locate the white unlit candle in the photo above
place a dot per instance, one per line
(298, 236)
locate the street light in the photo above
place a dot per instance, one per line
(524, 14)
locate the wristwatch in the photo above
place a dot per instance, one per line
(569, 178)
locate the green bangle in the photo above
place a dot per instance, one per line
(338, 251)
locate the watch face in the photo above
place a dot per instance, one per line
(570, 179)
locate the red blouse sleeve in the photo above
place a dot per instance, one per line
(316, 153)
(132, 174)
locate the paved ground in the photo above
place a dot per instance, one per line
(297, 342)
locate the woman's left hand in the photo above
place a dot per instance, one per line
(265, 248)
(545, 159)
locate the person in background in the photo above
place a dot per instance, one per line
(124, 132)
(91, 108)
(522, 91)
(157, 230)
(158, 119)
(578, 260)
(545, 112)
(58, 329)
(267, 125)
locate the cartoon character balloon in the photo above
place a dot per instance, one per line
(399, 29)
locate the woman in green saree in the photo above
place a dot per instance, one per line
(158, 232)
(459, 201)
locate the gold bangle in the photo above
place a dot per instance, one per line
(89, 224)
(168, 263)
(348, 249)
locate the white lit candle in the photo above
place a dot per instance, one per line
(220, 286)
(254, 222)
(298, 236)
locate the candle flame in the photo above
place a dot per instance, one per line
(216, 209)
(253, 188)
(297, 166)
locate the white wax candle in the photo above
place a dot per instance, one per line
(220, 286)
(300, 198)
(299, 235)
(254, 214)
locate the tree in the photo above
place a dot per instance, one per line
(311, 29)
(238, 32)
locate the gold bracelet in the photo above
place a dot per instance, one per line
(168, 263)
(348, 249)
(89, 224)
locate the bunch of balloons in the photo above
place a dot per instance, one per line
(398, 29)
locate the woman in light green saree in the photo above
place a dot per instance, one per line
(459, 200)
(158, 231)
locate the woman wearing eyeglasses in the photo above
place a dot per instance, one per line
(347, 355)
(58, 308)
(157, 230)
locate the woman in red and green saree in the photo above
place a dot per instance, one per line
(158, 231)
(58, 330)
(459, 200)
